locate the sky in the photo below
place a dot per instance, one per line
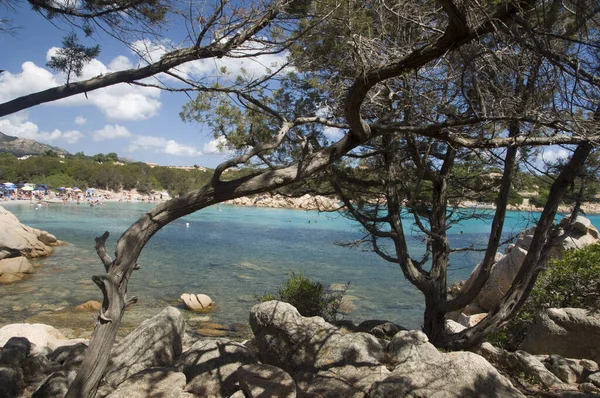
(135, 122)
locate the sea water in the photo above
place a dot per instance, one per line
(233, 254)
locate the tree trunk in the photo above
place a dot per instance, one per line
(434, 321)
(513, 300)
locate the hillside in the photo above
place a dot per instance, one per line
(23, 146)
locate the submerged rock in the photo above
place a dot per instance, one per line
(197, 302)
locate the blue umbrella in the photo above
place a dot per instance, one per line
(39, 189)
(60, 189)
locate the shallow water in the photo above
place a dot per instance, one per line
(230, 253)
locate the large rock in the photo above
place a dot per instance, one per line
(294, 343)
(17, 239)
(569, 332)
(153, 382)
(38, 334)
(345, 381)
(260, 380)
(210, 364)
(456, 374)
(155, 343)
(507, 266)
(16, 265)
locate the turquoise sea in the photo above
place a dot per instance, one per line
(230, 253)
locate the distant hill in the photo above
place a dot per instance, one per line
(23, 146)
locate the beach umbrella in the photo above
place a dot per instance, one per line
(75, 189)
(61, 189)
(39, 189)
(27, 188)
(90, 190)
(9, 184)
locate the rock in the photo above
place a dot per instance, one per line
(209, 366)
(11, 382)
(155, 342)
(259, 380)
(589, 388)
(17, 239)
(567, 370)
(38, 334)
(294, 343)
(380, 329)
(11, 278)
(506, 267)
(153, 382)
(16, 265)
(569, 332)
(532, 367)
(453, 326)
(594, 378)
(456, 374)
(196, 302)
(345, 381)
(54, 386)
(91, 305)
(14, 352)
(412, 345)
(75, 357)
(470, 320)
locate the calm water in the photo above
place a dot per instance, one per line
(230, 253)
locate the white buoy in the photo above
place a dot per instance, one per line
(187, 224)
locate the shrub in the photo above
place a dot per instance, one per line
(309, 297)
(572, 281)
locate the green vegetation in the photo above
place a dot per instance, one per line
(309, 297)
(572, 281)
(100, 171)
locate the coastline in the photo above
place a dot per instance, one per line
(277, 201)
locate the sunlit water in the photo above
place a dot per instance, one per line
(230, 253)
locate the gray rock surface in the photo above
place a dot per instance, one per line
(11, 382)
(209, 366)
(54, 386)
(566, 332)
(294, 343)
(261, 380)
(153, 382)
(155, 343)
(456, 374)
(345, 381)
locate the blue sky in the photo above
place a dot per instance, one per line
(135, 122)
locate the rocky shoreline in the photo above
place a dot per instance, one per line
(19, 243)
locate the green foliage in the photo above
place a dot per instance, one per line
(308, 296)
(72, 57)
(571, 281)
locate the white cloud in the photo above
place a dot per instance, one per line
(118, 102)
(80, 120)
(553, 154)
(17, 125)
(161, 145)
(216, 146)
(110, 132)
(121, 62)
